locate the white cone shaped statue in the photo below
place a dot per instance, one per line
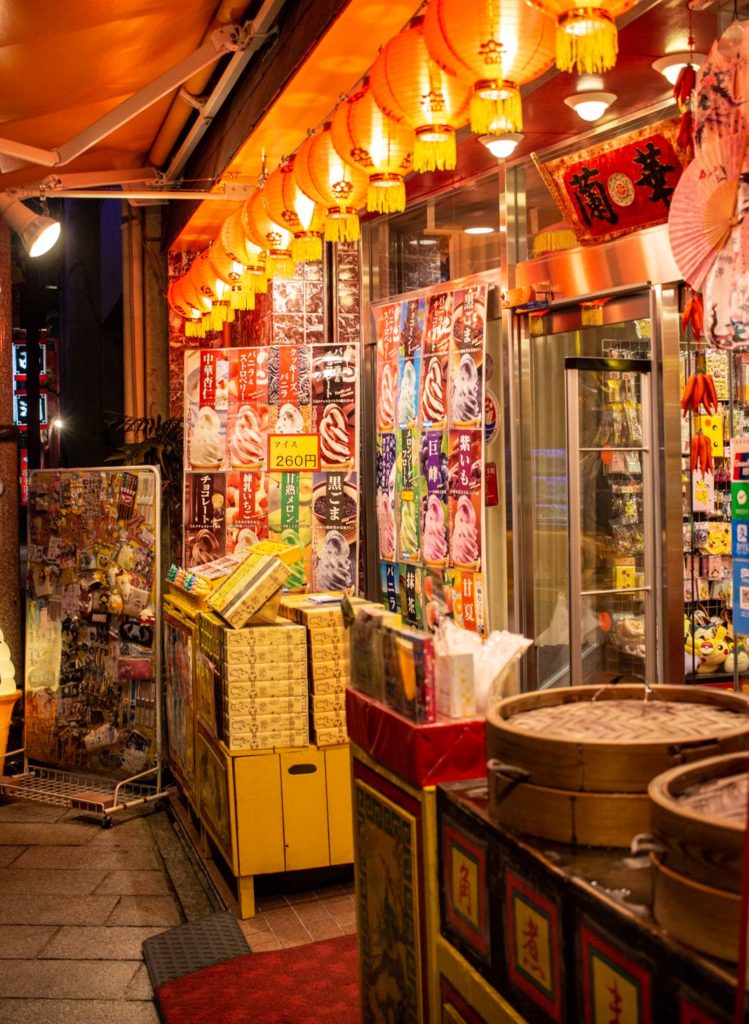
(7, 670)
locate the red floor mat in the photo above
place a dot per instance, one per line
(313, 984)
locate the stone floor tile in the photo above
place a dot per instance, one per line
(9, 853)
(67, 979)
(308, 912)
(24, 941)
(28, 810)
(287, 927)
(46, 909)
(124, 833)
(140, 986)
(256, 927)
(98, 943)
(270, 902)
(347, 925)
(134, 858)
(263, 945)
(35, 833)
(323, 929)
(51, 881)
(183, 869)
(133, 883)
(144, 910)
(81, 1011)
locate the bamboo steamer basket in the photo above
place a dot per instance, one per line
(698, 815)
(573, 765)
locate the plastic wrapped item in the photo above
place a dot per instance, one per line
(470, 672)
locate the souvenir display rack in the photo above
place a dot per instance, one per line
(92, 695)
(711, 654)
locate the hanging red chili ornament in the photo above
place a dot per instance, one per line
(497, 46)
(409, 86)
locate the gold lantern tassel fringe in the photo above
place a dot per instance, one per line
(306, 248)
(390, 198)
(280, 264)
(491, 116)
(342, 229)
(435, 155)
(254, 282)
(591, 53)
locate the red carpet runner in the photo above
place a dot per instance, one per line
(313, 984)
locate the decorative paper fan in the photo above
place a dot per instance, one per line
(703, 207)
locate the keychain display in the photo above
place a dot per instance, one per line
(91, 630)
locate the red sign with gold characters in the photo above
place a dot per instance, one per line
(619, 186)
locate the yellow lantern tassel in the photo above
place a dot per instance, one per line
(496, 110)
(386, 194)
(280, 264)
(435, 151)
(249, 300)
(236, 299)
(190, 329)
(230, 312)
(307, 247)
(342, 227)
(587, 42)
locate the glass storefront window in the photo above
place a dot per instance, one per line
(441, 239)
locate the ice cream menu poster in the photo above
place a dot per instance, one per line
(430, 407)
(234, 399)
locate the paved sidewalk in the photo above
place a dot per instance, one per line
(76, 902)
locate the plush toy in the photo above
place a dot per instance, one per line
(691, 656)
(712, 648)
(737, 655)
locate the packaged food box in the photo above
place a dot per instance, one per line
(239, 740)
(330, 737)
(239, 707)
(286, 553)
(252, 584)
(267, 724)
(327, 702)
(367, 663)
(409, 672)
(329, 720)
(217, 639)
(328, 684)
(264, 671)
(244, 690)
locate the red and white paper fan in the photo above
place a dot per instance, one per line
(703, 207)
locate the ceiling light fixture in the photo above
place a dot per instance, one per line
(37, 231)
(670, 65)
(503, 144)
(590, 105)
(479, 230)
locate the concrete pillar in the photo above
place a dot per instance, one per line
(155, 314)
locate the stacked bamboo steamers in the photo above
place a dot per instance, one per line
(596, 766)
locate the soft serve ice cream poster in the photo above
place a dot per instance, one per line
(334, 404)
(464, 498)
(334, 531)
(206, 403)
(249, 411)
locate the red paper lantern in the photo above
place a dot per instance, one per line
(240, 249)
(497, 46)
(338, 187)
(289, 206)
(263, 231)
(409, 86)
(212, 288)
(367, 138)
(587, 41)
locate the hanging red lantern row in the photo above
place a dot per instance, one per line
(337, 186)
(240, 249)
(366, 137)
(496, 46)
(409, 86)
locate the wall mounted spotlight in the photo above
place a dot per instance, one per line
(37, 231)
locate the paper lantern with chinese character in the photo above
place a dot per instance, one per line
(240, 249)
(289, 206)
(262, 230)
(338, 187)
(188, 290)
(497, 46)
(586, 39)
(409, 86)
(231, 272)
(367, 138)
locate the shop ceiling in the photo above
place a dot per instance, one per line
(69, 70)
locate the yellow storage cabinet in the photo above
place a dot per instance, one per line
(275, 810)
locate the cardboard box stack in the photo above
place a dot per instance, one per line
(329, 662)
(368, 661)
(259, 678)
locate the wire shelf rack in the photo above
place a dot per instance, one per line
(80, 790)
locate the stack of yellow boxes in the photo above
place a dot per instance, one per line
(329, 663)
(260, 681)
